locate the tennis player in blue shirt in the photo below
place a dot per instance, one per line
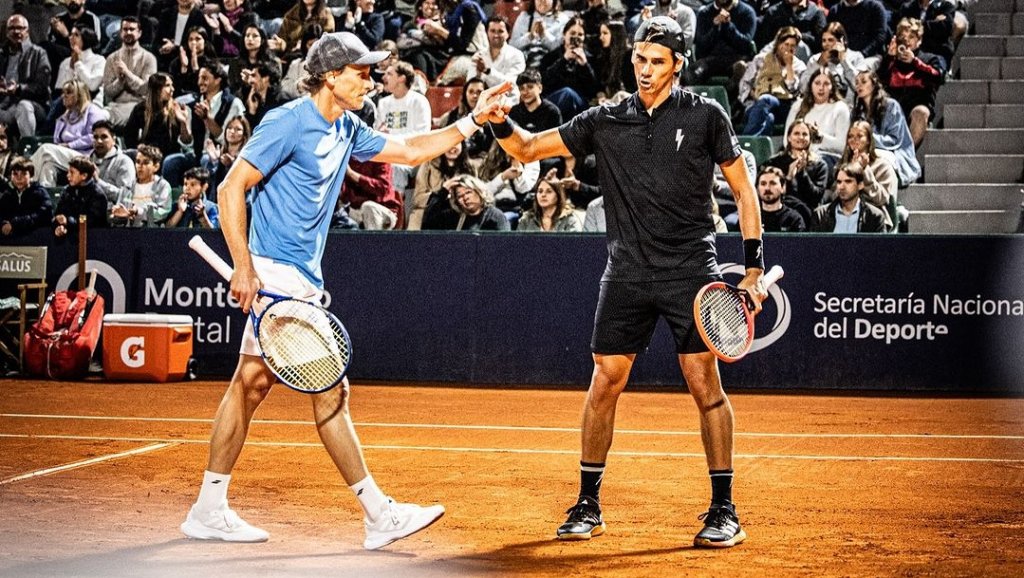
(294, 165)
(655, 154)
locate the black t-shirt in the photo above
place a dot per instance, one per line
(784, 220)
(546, 116)
(656, 174)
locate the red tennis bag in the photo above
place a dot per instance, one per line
(61, 343)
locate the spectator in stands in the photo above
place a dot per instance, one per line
(594, 221)
(806, 174)
(62, 25)
(24, 204)
(372, 201)
(841, 63)
(538, 29)
(303, 13)
(433, 181)
(501, 61)
(594, 15)
(175, 24)
(424, 31)
(126, 73)
(941, 28)
(148, 202)
(291, 87)
(580, 180)
(847, 214)
(569, 79)
(803, 15)
(193, 210)
(8, 148)
(25, 91)
(674, 9)
(912, 76)
(477, 145)
(880, 180)
(551, 211)
(508, 180)
(262, 94)
(255, 52)
(826, 114)
(115, 171)
(227, 25)
(776, 217)
(159, 120)
(466, 35)
(890, 130)
(771, 83)
(866, 23)
(73, 134)
(534, 113)
(403, 111)
(473, 207)
(83, 64)
(218, 157)
(185, 68)
(361, 20)
(80, 197)
(613, 65)
(725, 37)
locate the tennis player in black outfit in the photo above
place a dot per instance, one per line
(656, 153)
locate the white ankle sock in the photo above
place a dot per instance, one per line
(214, 492)
(370, 497)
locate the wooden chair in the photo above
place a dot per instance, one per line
(17, 312)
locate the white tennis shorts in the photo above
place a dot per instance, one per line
(282, 279)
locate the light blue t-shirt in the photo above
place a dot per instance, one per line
(303, 159)
(844, 223)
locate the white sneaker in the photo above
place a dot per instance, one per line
(221, 524)
(397, 521)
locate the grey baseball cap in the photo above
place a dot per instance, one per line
(337, 50)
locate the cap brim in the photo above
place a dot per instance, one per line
(373, 57)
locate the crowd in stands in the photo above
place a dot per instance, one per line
(132, 112)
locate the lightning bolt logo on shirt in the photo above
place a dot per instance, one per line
(679, 138)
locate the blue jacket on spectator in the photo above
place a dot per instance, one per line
(733, 39)
(866, 23)
(26, 210)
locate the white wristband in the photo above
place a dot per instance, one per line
(467, 126)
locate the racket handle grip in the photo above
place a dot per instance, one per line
(197, 244)
(773, 275)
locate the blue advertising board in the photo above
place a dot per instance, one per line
(907, 313)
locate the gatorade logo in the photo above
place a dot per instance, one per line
(133, 352)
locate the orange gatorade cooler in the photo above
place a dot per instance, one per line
(146, 346)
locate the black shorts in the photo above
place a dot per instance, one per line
(627, 313)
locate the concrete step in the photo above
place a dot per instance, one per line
(1014, 46)
(973, 168)
(982, 46)
(963, 92)
(1017, 23)
(1006, 92)
(992, 24)
(1012, 68)
(962, 197)
(980, 67)
(974, 141)
(963, 222)
(985, 116)
(983, 6)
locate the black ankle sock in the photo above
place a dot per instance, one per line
(721, 486)
(590, 480)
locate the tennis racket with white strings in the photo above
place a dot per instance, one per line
(725, 317)
(305, 345)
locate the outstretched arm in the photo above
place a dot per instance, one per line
(526, 146)
(419, 148)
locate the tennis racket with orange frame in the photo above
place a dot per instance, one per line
(725, 317)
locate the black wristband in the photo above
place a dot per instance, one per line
(753, 254)
(475, 122)
(502, 130)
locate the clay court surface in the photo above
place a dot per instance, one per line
(95, 478)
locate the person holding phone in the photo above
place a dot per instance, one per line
(569, 78)
(838, 59)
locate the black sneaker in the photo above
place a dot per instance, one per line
(721, 528)
(584, 521)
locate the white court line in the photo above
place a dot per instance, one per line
(533, 451)
(522, 428)
(84, 463)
